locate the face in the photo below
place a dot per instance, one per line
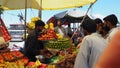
(39, 28)
(85, 32)
(59, 23)
(99, 27)
(107, 25)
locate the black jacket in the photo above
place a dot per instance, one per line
(33, 46)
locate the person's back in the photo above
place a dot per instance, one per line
(97, 45)
(91, 47)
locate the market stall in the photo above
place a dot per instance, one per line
(59, 50)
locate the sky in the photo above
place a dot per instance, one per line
(100, 9)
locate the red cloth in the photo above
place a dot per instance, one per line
(4, 31)
(111, 56)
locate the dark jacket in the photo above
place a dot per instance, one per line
(33, 46)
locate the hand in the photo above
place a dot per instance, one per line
(42, 52)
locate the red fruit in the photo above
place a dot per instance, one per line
(31, 63)
(25, 60)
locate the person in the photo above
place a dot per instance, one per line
(110, 58)
(69, 31)
(60, 29)
(33, 46)
(99, 23)
(91, 47)
(110, 22)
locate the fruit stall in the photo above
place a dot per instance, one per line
(60, 52)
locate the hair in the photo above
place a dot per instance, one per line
(98, 21)
(112, 19)
(39, 23)
(89, 25)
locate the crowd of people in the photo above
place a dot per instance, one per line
(95, 47)
(99, 40)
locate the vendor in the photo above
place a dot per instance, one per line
(60, 29)
(33, 46)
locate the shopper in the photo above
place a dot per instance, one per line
(110, 58)
(91, 47)
(110, 22)
(99, 24)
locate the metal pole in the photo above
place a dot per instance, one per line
(82, 20)
(25, 32)
(40, 11)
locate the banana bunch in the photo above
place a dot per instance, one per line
(51, 26)
(31, 25)
(59, 36)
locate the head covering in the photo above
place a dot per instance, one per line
(98, 21)
(89, 25)
(112, 19)
(39, 23)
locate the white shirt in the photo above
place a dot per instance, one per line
(91, 48)
(60, 31)
(111, 33)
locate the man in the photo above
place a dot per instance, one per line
(99, 23)
(110, 58)
(33, 46)
(69, 30)
(59, 29)
(91, 47)
(110, 22)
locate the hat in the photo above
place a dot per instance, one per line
(98, 21)
(39, 23)
(112, 19)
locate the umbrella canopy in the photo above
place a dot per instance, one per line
(43, 4)
(72, 16)
(72, 13)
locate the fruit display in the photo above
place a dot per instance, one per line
(69, 58)
(12, 65)
(59, 44)
(17, 54)
(11, 56)
(8, 56)
(49, 35)
(24, 60)
(4, 31)
(51, 66)
(1, 58)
